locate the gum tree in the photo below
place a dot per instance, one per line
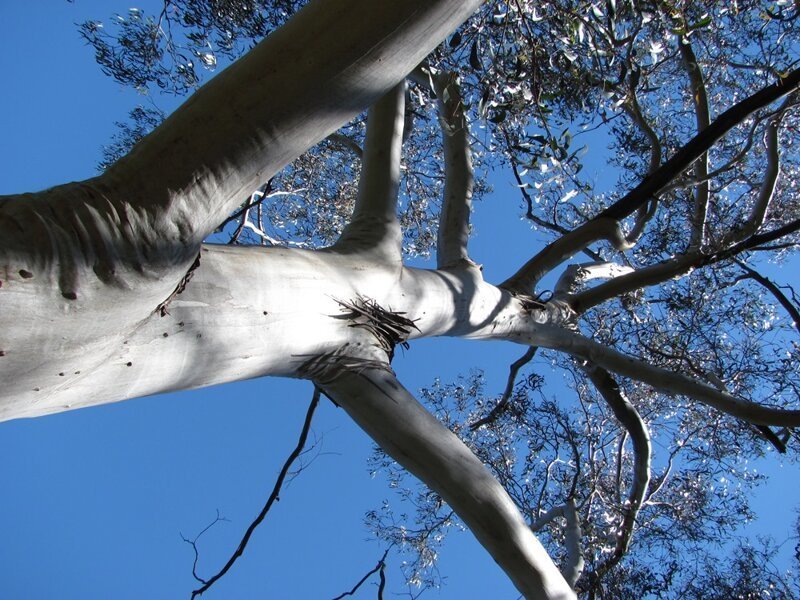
(109, 291)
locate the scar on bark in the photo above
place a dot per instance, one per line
(389, 328)
(326, 367)
(161, 309)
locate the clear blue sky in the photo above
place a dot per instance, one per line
(93, 501)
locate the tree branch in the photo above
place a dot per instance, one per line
(420, 443)
(377, 568)
(630, 419)
(645, 212)
(790, 307)
(703, 119)
(374, 225)
(564, 248)
(573, 565)
(634, 280)
(557, 338)
(501, 406)
(273, 497)
(606, 224)
(453, 233)
(767, 191)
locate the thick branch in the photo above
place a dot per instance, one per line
(151, 210)
(454, 220)
(576, 275)
(634, 280)
(767, 191)
(419, 442)
(563, 249)
(374, 225)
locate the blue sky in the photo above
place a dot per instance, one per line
(94, 501)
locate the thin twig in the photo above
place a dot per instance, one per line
(379, 568)
(273, 497)
(193, 544)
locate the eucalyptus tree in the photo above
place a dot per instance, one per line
(675, 336)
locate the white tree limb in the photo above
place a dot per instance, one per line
(420, 443)
(453, 235)
(557, 338)
(374, 227)
(636, 428)
(759, 212)
(564, 248)
(576, 275)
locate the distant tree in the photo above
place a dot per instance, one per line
(681, 346)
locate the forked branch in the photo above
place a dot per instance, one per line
(606, 225)
(636, 429)
(273, 497)
(557, 338)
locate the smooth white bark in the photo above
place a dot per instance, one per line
(246, 312)
(421, 444)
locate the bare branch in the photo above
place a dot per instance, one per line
(573, 566)
(767, 191)
(630, 419)
(640, 278)
(563, 249)
(454, 220)
(273, 497)
(378, 568)
(501, 406)
(612, 360)
(453, 234)
(377, 401)
(575, 275)
(193, 544)
(374, 225)
(703, 119)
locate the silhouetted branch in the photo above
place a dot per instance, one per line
(501, 406)
(379, 568)
(273, 497)
(606, 223)
(193, 544)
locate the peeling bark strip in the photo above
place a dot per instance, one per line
(389, 328)
(161, 309)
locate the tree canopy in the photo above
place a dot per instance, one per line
(653, 146)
